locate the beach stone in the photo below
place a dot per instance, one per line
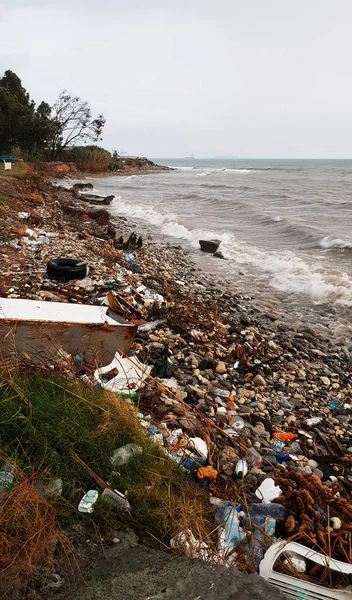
(246, 393)
(219, 254)
(221, 368)
(188, 422)
(325, 381)
(209, 246)
(259, 381)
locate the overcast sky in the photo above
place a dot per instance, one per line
(248, 78)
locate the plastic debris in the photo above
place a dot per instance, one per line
(207, 473)
(200, 447)
(268, 491)
(231, 534)
(6, 478)
(122, 375)
(116, 498)
(122, 456)
(191, 546)
(86, 505)
(241, 468)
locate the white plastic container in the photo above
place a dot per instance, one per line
(294, 587)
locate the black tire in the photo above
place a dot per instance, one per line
(66, 269)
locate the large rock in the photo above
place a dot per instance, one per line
(82, 186)
(98, 200)
(209, 246)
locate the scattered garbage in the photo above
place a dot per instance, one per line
(254, 410)
(268, 491)
(290, 582)
(122, 456)
(122, 375)
(231, 533)
(66, 268)
(6, 478)
(241, 468)
(191, 546)
(53, 488)
(86, 505)
(116, 498)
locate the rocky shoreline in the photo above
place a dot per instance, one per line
(222, 371)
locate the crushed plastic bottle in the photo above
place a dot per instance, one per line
(253, 457)
(282, 458)
(231, 534)
(296, 448)
(266, 509)
(277, 445)
(256, 548)
(122, 456)
(116, 498)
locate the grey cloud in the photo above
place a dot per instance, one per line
(267, 79)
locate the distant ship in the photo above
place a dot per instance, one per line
(191, 157)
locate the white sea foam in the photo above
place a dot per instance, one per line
(285, 271)
(277, 219)
(328, 242)
(239, 171)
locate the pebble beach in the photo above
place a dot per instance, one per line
(223, 371)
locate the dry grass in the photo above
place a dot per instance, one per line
(28, 532)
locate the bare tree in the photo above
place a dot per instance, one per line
(73, 123)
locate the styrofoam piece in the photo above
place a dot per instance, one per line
(294, 587)
(267, 490)
(199, 445)
(131, 373)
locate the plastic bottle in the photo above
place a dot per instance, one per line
(277, 445)
(254, 458)
(296, 448)
(123, 455)
(266, 509)
(6, 478)
(256, 546)
(231, 533)
(282, 458)
(241, 468)
(285, 435)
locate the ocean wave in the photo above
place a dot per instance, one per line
(329, 243)
(236, 170)
(290, 273)
(284, 271)
(202, 171)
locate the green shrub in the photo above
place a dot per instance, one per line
(89, 158)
